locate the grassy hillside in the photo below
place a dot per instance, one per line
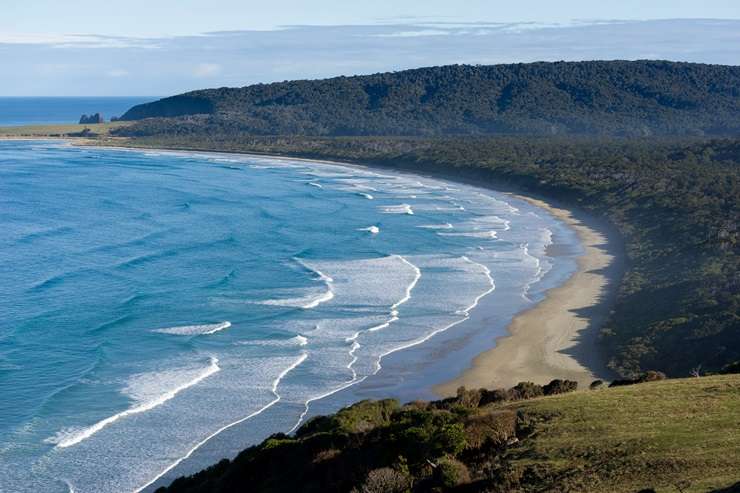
(671, 436)
(589, 98)
(675, 203)
(60, 130)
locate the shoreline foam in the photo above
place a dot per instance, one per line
(555, 350)
(591, 233)
(555, 338)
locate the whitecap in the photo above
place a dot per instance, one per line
(192, 330)
(397, 209)
(311, 300)
(298, 340)
(148, 390)
(371, 229)
(489, 235)
(275, 400)
(436, 226)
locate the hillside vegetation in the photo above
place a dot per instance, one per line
(590, 98)
(675, 203)
(666, 436)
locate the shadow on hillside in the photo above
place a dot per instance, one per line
(587, 351)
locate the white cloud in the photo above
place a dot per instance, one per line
(414, 34)
(117, 72)
(207, 70)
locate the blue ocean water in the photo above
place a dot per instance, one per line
(153, 303)
(36, 111)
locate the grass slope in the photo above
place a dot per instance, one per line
(672, 435)
(669, 436)
(59, 130)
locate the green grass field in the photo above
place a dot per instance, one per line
(673, 436)
(60, 130)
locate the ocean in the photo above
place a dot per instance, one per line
(37, 111)
(161, 310)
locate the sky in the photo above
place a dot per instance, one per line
(162, 47)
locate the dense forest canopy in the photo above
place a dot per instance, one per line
(617, 98)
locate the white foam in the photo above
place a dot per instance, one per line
(70, 486)
(140, 388)
(298, 340)
(328, 281)
(397, 209)
(314, 184)
(274, 401)
(311, 300)
(465, 313)
(393, 316)
(541, 269)
(436, 226)
(372, 229)
(394, 308)
(490, 235)
(366, 195)
(191, 330)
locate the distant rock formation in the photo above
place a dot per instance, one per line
(90, 119)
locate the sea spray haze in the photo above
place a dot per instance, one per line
(153, 302)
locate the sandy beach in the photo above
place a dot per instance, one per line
(557, 338)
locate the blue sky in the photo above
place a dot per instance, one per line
(159, 47)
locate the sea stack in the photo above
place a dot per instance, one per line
(90, 119)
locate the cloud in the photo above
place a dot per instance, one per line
(77, 40)
(412, 34)
(207, 70)
(160, 66)
(117, 72)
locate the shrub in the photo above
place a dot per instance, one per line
(385, 480)
(450, 439)
(496, 427)
(525, 390)
(558, 386)
(451, 472)
(649, 376)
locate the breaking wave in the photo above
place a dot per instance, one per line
(192, 330)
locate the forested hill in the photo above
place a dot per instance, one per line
(592, 98)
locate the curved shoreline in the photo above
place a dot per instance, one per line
(534, 351)
(557, 337)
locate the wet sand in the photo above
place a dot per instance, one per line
(558, 337)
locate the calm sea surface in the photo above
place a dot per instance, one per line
(152, 303)
(36, 111)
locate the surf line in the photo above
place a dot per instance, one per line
(267, 406)
(90, 431)
(465, 313)
(394, 308)
(356, 345)
(328, 295)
